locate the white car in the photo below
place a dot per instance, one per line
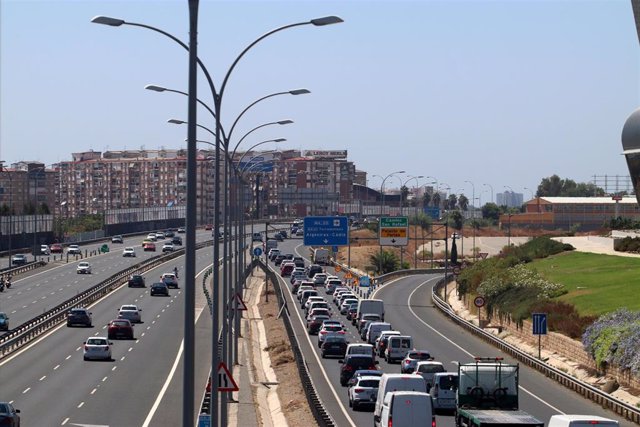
(328, 330)
(364, 391)
(74, 250)
(427, 370)
(170, 280)
(160, 235)
(130, 312)
(44, 250)
(152, 237)
(168, 247)
(129, 252)
(97, 348)
(83, 268)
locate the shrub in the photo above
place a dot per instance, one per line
(613, 338)
(563, 318)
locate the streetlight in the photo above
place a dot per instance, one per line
(474, 218)
(411, 177)
(189, 357)
(488, 185)
(381, 205)
(3, 169)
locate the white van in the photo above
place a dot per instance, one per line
(580, 421)
(271, 244)
(397, 382)
(370, 306)
(256, 237)
(374, 329)
(359, 348)
(407, 409)
(321, 256)
(443, 392)
(397, 347)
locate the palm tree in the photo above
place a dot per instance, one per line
(385, 259)
(426, 199)
(463, 202)
(435, 200)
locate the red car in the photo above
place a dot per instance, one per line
(120, 328)
(208, 227)
(56, 248)
(149, 247)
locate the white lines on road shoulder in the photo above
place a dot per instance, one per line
(26, 390)
(114, 368)
(43, 377)
(122, 358)
(104, 379)
(93, 391)
(65, 421)
(56, 367)
(81, 405)
(68, 357)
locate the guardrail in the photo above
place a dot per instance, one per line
(594, 394)
(322, 417)
(21, 269)
(26, 332)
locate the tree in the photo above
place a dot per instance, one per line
(404, 193)
(491, 211)
(452, 201)
(385, 259)
(463, 202)
(435, 200)
(454, 252)
(554, 186)
(426, 199)
(455, 219)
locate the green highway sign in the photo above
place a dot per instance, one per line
(393, 231)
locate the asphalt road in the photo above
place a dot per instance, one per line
(37, 291)
(409, 309)
(52, 385)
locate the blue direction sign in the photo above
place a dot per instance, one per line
(326, 231)
(364, 281)
(257, 251)
(539, 323)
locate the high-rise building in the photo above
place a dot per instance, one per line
(509, 199)
(27, 187)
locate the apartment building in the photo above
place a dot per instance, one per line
(93, 182)
(25, 185)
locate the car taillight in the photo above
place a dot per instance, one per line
(433, 422)
(341, 332)
(86, 348)
(359, 390)
(106, 347)
(373, 368)
(348, 368)
(323, 332)
(390, 424)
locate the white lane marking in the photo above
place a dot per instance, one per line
(26, 390)
(177, 360)
(324, 373)
(14, 311)
(78, 348)
(130, 348)
(66, 420)
(68, 357)
(93, 391)
(81, 405)
(122, 358)
(142, 334)
(104, 379)
(465, 351)
(43, 377)
(56, 367)
(114, 368)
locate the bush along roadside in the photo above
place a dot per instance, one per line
(613, 340)
(513, 291)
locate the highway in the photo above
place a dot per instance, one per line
(409, 309)
(52, 385)
(39, 290)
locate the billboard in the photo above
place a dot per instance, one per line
(327, 154)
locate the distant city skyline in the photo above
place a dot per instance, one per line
(482, 92)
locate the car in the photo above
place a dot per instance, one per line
(300, 232)
(444, 390)
(314, 269)
(316, 312)
(278, 259)
(4, 321)
(130, 312)
(160, 235)
(331, 284)
(312, 299)
(427, 370)
(9, 415)
(129, 252)
(181, 230)
(303, 287)
(367, 317)
(315, 323)
(398, 347)
(297, 284)
(168, 247)
(159, 288)
(364, 373)
(352, 363)
(412, 358)
(383, 339)
(83, 268)
(44, 250)
(334, 345)
(208, 227)
(79, 316)
(273, 252)
(363, 392)
(120, 328)
(74, 250)
(176, 240)
(117, 239)
(149, 247)
(97, 348)
(329, 330)
(320, 278)
(169, 233)
(256, 237)
(136, 281)
(283, 233)
(352, 310)
(152, 237)
(277, 237)
(18, 259)
(298, 261)
(56, 248)
(346, 304)
(170, 280)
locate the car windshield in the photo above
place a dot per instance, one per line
(448, 382)
(430, 369)
(336, 339)
(419, 355)
(119, 323)
(78, 311)
(129, 307)
(4, 408)
(369, 383)
(96, 341)
(3, 316)
(332, 328)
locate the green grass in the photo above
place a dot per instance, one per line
(596, 284)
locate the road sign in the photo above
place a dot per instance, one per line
(394, 231)
(456, 270)
(240, 305)
(479, 302)
(539, 323)
(338, 268)
(257, 251)
(364, 281)
(348, 275)
(204, 420)
(225, 379)
(483, 255)
(326, 231)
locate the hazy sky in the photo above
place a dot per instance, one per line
(492, 92)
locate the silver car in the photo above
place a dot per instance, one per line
(364, 391)
(97, 348)
(130, 312)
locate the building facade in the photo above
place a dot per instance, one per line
(509, 199)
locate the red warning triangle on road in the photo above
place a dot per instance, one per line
(225, 379)
(240, 305)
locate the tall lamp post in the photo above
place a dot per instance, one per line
(8, 173)
(473, 224)
(381, 206)
(188, 381)
(488, 185)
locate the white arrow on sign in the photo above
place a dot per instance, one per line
(325, 241)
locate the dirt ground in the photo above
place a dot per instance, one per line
(292, 397)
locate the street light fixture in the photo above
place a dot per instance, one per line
(473, 224)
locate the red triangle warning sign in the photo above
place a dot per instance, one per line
(240, 305)
(225, 379)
